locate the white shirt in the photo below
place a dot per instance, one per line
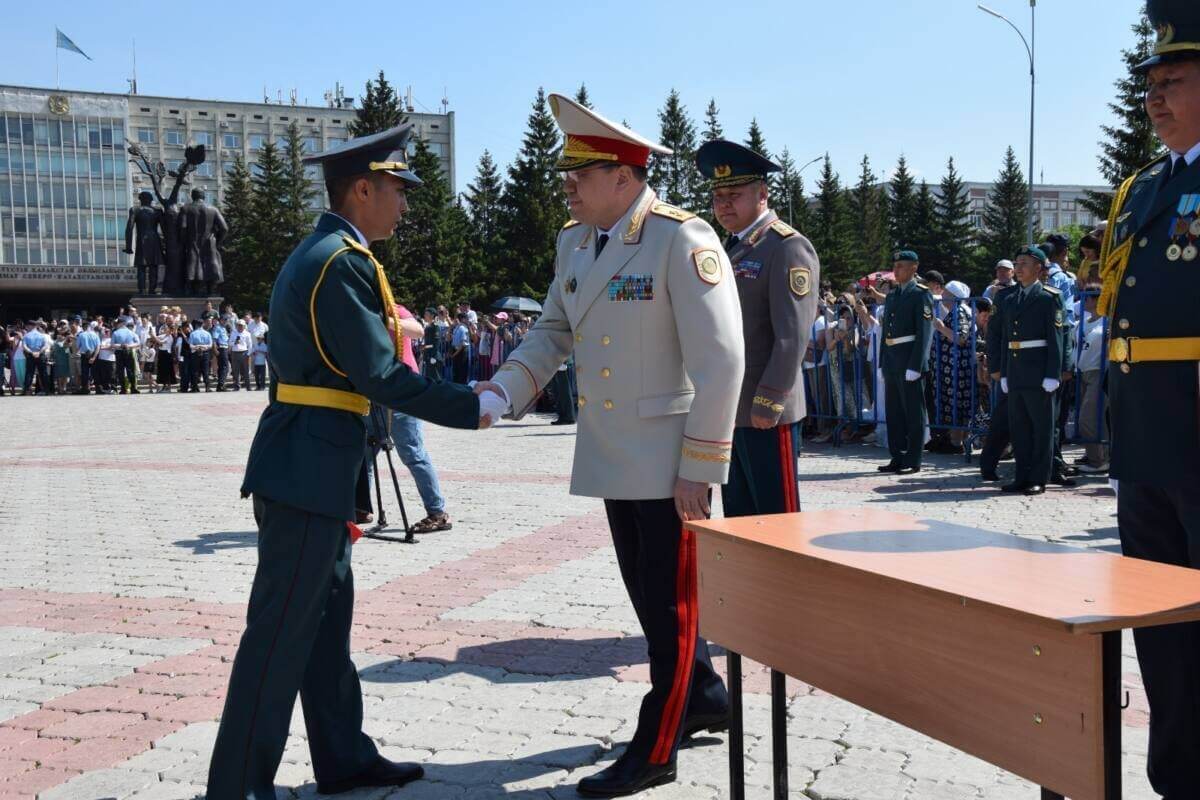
(819, 325)
(1189, 157)
(257, 329)
(1091, 356)
(362, 239)
(241, 342)
(742, 234)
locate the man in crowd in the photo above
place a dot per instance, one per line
(460, 349)
(257, 326)
(432, 347)
(775, 270)
(656, 414)
(1031, 371)
(1093, 405)
(240, 347)
(332, 355)
(907, 332)
(220, 334)
(125, 346)
(87, 344)
(1004, 279)
(1149, 244)
(201, 342)
(998, 436)
(36, 346)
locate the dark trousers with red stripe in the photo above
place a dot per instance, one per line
(297, 641)
(658, 564)
(762, 475)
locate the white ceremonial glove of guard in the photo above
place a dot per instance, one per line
(1049, 384)
(492, 405)
(1004, 385)
(911, 375)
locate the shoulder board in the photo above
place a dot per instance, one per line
(1047, 287)
(783, 229)
(922, 285)
(671, 212)
(571, 223)
(356, 245)
(1162, 160)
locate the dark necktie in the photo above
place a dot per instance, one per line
(1178, 165)
(732, 242)
(600, 242)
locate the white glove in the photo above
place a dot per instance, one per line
(1004, 385)
(492, 405)
(911, 375)
(1049, 384)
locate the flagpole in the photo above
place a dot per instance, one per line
(57, 82)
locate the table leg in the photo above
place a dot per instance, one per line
(737, 753)
(779, 733)
(1110, 685)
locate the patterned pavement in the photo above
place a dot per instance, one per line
(503, 654)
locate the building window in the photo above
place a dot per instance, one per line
(1068, 205)
(334, 141)
(230, 166)
(257, 140)
(312, 172)
(205, 170)
(173, 137)
(311, 145)
(256, 170)
(147, 136)
(1051, 205)
(205, 138)
(231, 140)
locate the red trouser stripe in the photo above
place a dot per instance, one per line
(688, 619)
(787, 464)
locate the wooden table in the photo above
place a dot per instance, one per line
(1006, 648)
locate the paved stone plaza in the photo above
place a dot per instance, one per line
(503, 654)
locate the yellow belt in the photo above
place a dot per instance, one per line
(1134, 349)
(899, 340)
(1028, 343)
(322, 398)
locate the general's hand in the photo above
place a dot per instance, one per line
(763, 422)
(491, 408)
(1004, 385)
(486, 386)
(691, 499)
(1049, 384)
(911, 375)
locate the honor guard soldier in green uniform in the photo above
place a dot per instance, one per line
(1150, 263)
(1031, 366)
(331, 355)
(642, 295)
(775, 269)
(907, 333)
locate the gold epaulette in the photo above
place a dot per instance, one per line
(783, 229)
(671, 212)
(355, 244)
(571, 223)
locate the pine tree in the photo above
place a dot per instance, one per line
(869, 246)
(955, 235)
(244, 285)
(381, 109)
(429, 245)
(712, 124)
(581, 96)
(924, 233)
(533, 207)
(273, 225)
(1131, 144)
(484, 244)
(787, 194)
(901, 205)
(675, 176)
(756, 141)
(296, 212)
(830, 227)
(1006, 215)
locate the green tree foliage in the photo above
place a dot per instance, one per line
(245, 284)
(901, 205)
(1006, 215)
(485, 246)
(955, 239)
(381, 109)
(830, 228)
(712, 122)
(1130, 144)
(675, 176)
(787, 195)
(924, 233)
(869, 247)
(581, 96)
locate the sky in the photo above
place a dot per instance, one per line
(928, 78)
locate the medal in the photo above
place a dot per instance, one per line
(1190, 252)
(571, 285)
(1194, 228)
(1174, 252)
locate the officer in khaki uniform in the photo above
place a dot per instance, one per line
(644, 295)
(907, 334)
(775, 269)
(1150, 262)
(331, 355)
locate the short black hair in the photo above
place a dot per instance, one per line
(933, 276)
(1090, 242)
(983, 304)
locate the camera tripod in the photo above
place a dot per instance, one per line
(379, 437)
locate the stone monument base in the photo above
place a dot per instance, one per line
(192, 305)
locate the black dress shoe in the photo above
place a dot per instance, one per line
(908, 470)
(711, 723)
(1013, 487)
(891, 466)
(1036, 488)
(989, 476)
(626, 776)
(380, 773)
(1060, 480)
(563, 422)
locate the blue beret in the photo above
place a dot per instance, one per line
(906, 255)
(1033, 252)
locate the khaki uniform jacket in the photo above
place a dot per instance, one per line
(775, 270)
(657, 333)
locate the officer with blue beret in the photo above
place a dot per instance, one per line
(1149, 264)
(907, 333)
(1031, 370)
(332, 354)
(775, 269)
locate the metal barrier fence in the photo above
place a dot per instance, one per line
(844, 386)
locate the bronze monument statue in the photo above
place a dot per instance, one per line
(202, 229)
(144, 220)
(173, 279)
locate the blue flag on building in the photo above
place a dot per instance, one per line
(64, 43)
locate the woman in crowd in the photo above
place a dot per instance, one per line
(16, 358)
(952, 360)
(484, 358)
(183, 356)
(841, 344)
(106, 362)
(260, 363)
(164, 341)
(60, 357)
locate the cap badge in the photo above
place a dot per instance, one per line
(723, 171)
(1166, 33)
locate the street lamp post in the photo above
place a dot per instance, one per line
(809, 164)
(1030, 50)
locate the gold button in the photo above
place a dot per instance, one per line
(1143, 242)
(582, 401)
(1131, 281)
(608, 404)
(604, 373)
(1125, 368)
(579, 337)
(1124, 324)
(606, 341)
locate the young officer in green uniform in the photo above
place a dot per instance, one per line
(331, 355)
(1030, 371)
(775, 269)
(907, 333)
(1149, 265)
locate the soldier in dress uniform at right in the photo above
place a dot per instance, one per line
(1150, 262)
